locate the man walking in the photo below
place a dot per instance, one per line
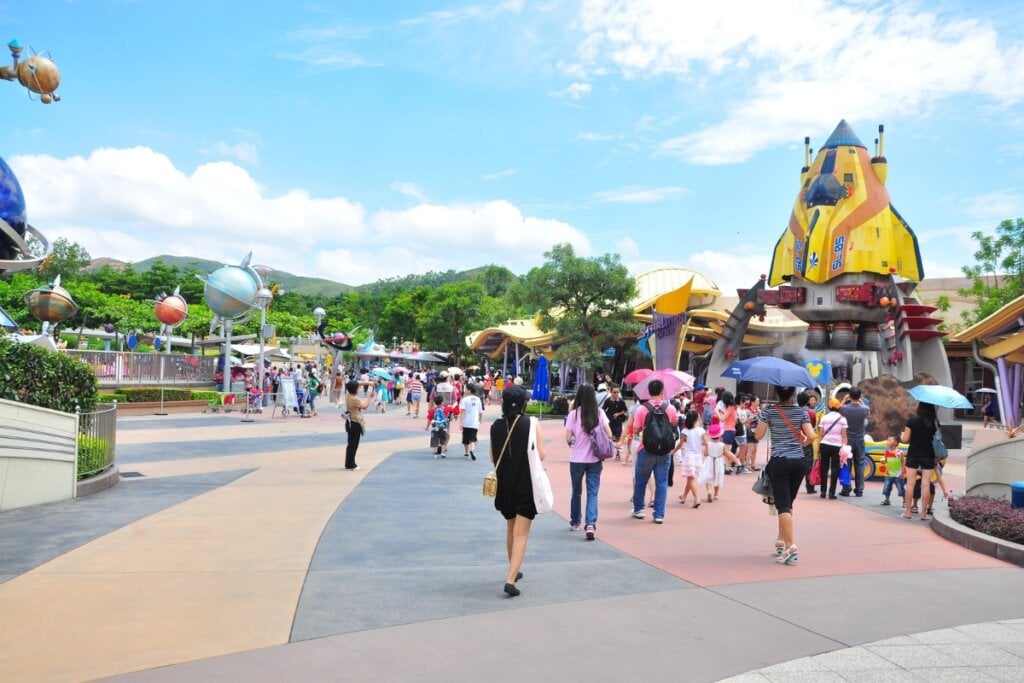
(617, 412)
(655, 421)
(856, 414)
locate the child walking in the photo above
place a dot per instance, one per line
(894, 470)
(694, 443)
(712, 473)
(437, 423)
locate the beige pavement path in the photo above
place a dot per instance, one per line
(219, 573)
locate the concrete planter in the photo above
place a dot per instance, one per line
(954, 531)
(153, 407)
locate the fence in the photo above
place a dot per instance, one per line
(97, 440)
(116, 368)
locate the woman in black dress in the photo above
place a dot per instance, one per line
(918, 436)
(514, 498)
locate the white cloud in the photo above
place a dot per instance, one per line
(860, 61)
(410, 190)
(244, 151)
(591, 136)
(133, 204)
(499, 174)
(639, 195)
(627, 247)
(575, 91)
(467, 13)
(995, 206)
(737, 268)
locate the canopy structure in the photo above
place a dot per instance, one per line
(999, 339)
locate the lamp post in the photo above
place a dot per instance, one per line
(319, 314)
(263, 298)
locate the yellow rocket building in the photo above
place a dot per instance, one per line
(843, 220)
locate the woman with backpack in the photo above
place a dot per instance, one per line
(583, 424)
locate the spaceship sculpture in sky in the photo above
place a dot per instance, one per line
(847, 264)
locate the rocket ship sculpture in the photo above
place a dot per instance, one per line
(847, 264)
(843, 220)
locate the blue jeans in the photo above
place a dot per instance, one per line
(900, 486)
(593, 472)
(859, 461)
(645, 465)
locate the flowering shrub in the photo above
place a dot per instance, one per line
(992, 517)
(49, 379)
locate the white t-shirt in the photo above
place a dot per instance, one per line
(834, 437)
(694, 440)
(471, 409)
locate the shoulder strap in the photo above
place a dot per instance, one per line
(796, 432)
(830, 427)
(507, 437)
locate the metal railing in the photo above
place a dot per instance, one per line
(97, 440)
(116, 368)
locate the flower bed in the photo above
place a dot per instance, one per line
(989, 516)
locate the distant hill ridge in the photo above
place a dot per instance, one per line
(309, 286)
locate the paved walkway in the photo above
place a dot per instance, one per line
(238, 550)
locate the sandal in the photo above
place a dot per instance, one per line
(755, 469)
(696, 505)
(925, 518)
(904, 515)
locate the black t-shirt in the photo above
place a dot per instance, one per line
(613, 406)
(921, 434)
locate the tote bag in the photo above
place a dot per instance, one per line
(543, 496)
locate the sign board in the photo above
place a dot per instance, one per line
(287, 387)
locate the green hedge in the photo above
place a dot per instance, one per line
(108, 397)
(49, 379)
(145, 394)
(92, 455)
(205, 395)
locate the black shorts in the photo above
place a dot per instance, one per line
(917, 462)
(786, 476)
(468, 435)
(439, 438)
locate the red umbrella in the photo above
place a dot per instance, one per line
(637, 375)
(674, 381)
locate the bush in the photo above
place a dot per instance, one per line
(48, 379)
(108, 397)
(989, 516)
(145, 394)
(92, 455)
(560, 405)
(205, 395)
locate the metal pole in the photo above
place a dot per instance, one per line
(162, 411)
(263, 323)
(227, 356)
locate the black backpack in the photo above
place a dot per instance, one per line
(659, 436)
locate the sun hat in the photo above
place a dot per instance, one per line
(834, 403)
(715, 431)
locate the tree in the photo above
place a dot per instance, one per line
(399, 317)
(66, 259)
(496, 280)
(998, 274)
(451, 312)
(584, 301)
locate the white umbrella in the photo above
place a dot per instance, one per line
(455, 371)
(985, 390)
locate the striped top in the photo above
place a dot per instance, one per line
(784, 441)
(414, 386)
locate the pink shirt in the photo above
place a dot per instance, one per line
(581, 451)
(835, 436)
(641, 415)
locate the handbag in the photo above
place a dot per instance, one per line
(763, 487)
(601, 446)
(543, 496)
(938, 445)
(815, 476)
(491, 479)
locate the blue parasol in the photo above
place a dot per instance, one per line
(770, 370)
(541, 381)
(938, 395)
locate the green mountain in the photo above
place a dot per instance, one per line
(310, 286)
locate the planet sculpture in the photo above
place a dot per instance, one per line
(230, 291)
(51, 304)
(37, 73)
(15, 251)
(170, 310)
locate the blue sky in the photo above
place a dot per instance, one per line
(356, 141)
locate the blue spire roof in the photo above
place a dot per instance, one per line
(843, 136)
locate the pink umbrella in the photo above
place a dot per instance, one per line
(675, 381)
(637, 375)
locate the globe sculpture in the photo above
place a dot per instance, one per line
(15, 252)
(230, 291)
(37, 73)
(51, 304)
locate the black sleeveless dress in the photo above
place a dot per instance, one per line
(515, 487)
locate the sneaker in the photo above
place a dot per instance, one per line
(885, 501)
(740, 469)
(357, 468)
(789, 556)
(574, 527)
(590, 532)
(436, 456)
(659, 520)
(472, 455)
(638, 514)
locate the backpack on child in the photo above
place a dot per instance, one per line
(439, 422)
(659, 436)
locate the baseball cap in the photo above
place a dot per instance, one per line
(602, 387)
(834, 403)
